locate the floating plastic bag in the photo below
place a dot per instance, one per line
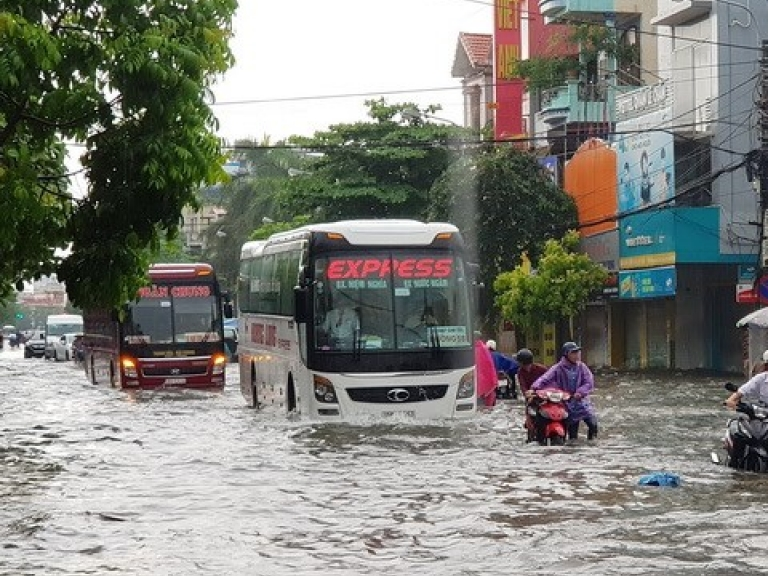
(660, 479)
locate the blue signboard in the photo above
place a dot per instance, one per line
(647, 239)
(648, 283)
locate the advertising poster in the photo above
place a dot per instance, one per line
(646, 166)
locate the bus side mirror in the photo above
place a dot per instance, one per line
(480, 297)
(301, 304)
(227, 307)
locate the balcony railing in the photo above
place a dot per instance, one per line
(578, 101)
(557, 8)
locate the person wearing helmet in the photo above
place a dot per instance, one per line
(573, 376)
(505, 368)
(527, 374)
(756, 387)
(529, 371)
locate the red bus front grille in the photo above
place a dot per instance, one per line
(171, 371)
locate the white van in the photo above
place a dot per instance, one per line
(56, 326)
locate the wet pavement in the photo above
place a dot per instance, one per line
(99, 481)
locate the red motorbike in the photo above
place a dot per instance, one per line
(547, 413)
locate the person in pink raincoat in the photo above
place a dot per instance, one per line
(486, 378)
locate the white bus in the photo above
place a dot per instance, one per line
(358, 318)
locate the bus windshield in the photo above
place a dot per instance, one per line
(391, 300)
(64, 328)
(166, 314)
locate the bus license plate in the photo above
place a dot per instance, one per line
(406, 413)
(172, 381)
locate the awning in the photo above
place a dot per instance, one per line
(758, 319)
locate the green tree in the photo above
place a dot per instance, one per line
(560, 286)
(505, 205)
(578, 54)
(250, 201)
(379, 169)
(129, 80)
(171, 251)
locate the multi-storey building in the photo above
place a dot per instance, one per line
(673, 214)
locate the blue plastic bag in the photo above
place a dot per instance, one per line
(660, 479)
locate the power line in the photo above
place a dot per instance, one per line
(400, 91)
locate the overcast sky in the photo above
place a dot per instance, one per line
(294, 55)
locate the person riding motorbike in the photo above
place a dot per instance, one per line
(528, 372)
(573, 376)
(756, 387)
(504, 365)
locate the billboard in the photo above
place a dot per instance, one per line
(646, 166)
(509, 89)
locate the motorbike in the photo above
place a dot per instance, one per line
(548, 411)
(506, 388)
(746, 437)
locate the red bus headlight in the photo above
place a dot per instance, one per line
(219, 363)
(129, 367)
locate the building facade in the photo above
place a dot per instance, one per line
(674, 214)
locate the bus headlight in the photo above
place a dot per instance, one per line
(129, 367)
(466, 386)
(219, 362)
(324, 390)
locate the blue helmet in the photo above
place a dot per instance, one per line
(569, 347)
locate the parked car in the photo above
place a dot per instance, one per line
(34, 347)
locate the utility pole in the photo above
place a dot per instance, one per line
(762, 158)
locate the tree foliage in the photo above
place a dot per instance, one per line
(379, 169)
(577, 53)
(129, 80)
(250, 201)
(560, 287)
(505, 204)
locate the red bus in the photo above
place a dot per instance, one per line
(172, 335)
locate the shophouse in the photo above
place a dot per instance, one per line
(674, 213)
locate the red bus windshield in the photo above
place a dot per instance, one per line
(174, 314)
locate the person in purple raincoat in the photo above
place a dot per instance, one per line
(572, 375)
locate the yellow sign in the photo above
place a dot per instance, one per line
(549, 348)
(647, 261)
(506, 61)
(508, 14)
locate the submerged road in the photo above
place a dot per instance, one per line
(98, 481)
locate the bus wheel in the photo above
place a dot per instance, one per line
(290, 400)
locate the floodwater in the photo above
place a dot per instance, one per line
(98, 481)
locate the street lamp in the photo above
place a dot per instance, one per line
(413, 113)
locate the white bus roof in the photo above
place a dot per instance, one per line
(64, 317)
(364, 233)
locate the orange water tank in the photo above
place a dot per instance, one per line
(590, 178)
